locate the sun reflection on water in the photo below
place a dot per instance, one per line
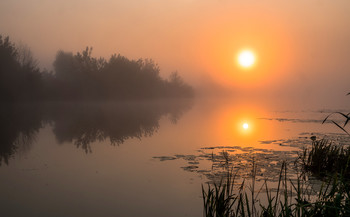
(240, 125)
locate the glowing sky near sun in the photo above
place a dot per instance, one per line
(297, 44)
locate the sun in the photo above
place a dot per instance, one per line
(246, 58)
(245, 126)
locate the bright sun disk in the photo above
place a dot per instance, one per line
(246, 58)
(245, 126)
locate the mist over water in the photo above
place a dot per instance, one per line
(125, 108)
(117, 135)
(83, 124)
(150, 152)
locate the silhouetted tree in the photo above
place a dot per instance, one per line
(85, 77)
(20, 78)
(8, 67)
(81, 76)
(177, 86)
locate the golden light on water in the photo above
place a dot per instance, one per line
(246, 58)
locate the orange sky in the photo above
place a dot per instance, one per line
(301, 46)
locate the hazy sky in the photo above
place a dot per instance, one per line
(302, 47)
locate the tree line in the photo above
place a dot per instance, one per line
(81, 76)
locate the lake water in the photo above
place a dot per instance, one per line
(141, 158)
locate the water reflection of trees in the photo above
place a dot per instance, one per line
(19, 125)
(83, 123)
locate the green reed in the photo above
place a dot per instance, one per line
(325, 158)
(344, 115)
(290, 199)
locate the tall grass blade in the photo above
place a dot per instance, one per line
(340, 127)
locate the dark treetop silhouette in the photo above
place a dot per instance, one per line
(83, 77)
(20, 78)
(27, 95)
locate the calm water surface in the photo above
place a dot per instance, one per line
(140, 158)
